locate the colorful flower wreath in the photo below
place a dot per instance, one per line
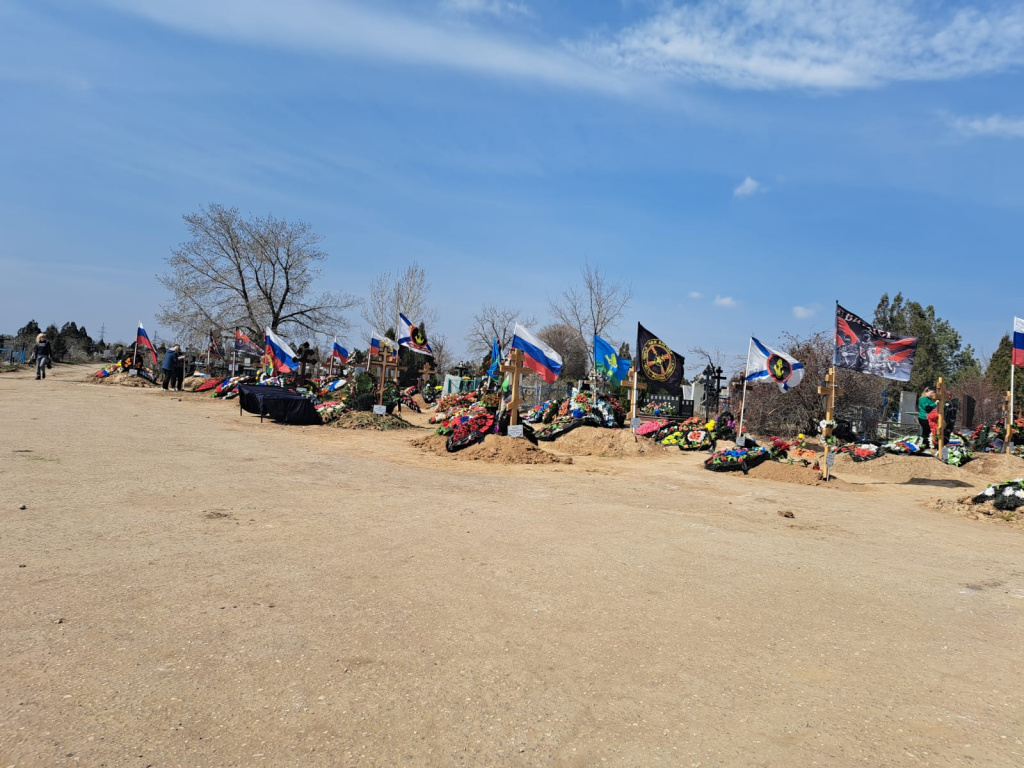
(737, 458)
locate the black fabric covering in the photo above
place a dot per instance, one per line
(278, 404)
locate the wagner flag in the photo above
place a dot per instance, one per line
(657, 364)
(770, 366)
(862, 347)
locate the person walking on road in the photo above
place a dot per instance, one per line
(42, 355)
(170, 366)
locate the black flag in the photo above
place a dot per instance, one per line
(862, 347)
(657, 364)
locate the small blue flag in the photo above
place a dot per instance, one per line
(608, 362)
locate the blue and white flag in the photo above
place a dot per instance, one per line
(495, 359)
(770, 366)
(336, 385)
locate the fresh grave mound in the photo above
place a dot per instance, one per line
(898, 469)
(192, 383)
(600, 441)
(123, 379)
(795, 473)
(364, 420)
(995, 466)
(494, 449)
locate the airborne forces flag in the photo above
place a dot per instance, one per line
(657, 364)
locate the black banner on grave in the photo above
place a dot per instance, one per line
(657, 364)
(864, 348)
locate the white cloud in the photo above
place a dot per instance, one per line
(831, 44)
(747, 187)
(994, 125)
(365, 30)
(695, 295)
(499, 8)
(803, 313)
(759, 44)
(725, 301)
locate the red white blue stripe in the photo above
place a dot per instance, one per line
(280, 355)
(142, 340)
(538, 356)
(338, 352)
(1018, 341)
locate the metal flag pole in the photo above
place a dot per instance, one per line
(1009, 416)
(743, 397)
(135, 351)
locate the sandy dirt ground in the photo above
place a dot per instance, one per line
(189, 587)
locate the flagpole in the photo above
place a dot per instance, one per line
(743, 397)
(1009, 416)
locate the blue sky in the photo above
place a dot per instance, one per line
(744, 163)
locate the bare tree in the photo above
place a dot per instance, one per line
(253, 273)
(494, 322)
(442, 352)
(393, 292)
(593, 307)
(566, 341)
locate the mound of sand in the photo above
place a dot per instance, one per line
(122, 379)
(964, 507)
(191, 383)
(367, 420)
(995, 467)
(981, 470)
(495, 449)
(796, 473)
(598, 441)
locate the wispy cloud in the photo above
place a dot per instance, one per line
(760, 44)
(695, 295)
(367, 31)
(993, 125)
(747, 188)
(831, 44)
(498, 8)
(725, 301)
(803, 313)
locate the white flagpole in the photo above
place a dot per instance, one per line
(743, 397)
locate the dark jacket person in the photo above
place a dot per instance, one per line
(42, 355)
(170, 364)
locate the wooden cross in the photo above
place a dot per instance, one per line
(634, 385)
(940, 425)
(385, 364)
(515, 367)
(426, 371)
(831, 391)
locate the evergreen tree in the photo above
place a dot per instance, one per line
(998, 373)
(57, 344)
(27, 334)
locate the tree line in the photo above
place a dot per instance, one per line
(256, 272)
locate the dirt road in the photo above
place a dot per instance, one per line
(188, 587)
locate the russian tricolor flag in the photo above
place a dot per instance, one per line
(280, 355)
(1018, 342)
(339, 352)
(539, 357)
(142, 340)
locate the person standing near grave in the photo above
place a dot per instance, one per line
(179, 373)
(170, 365)
(925, 405)
(42, 355)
